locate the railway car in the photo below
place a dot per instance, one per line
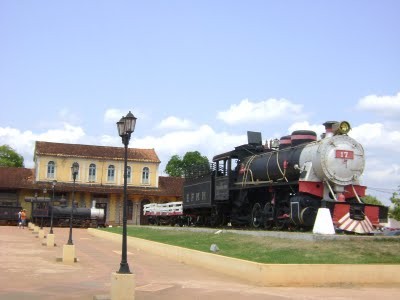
(281, 185)
(82, 216)
(9, 214)
(170, 213)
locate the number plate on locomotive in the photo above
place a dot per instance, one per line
(345, 154)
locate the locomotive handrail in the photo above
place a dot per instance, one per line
(284, 169)
(254, 182)
(355, 193)
(247, 170)
(269, 158)
(330, 189)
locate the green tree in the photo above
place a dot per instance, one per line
(10, 158)
(174, 166)
(395, 209)
(190, 163)
(193, 161)
(371, 200)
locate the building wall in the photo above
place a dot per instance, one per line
(62, 172)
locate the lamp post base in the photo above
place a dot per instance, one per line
(41, 234)
(123, 286)
(50, 240)
(68, 254)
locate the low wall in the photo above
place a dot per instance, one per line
(268, 274)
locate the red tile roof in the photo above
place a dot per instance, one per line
(15, 178)
(95, 152)
(22, 178)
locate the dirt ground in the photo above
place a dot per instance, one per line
(29, 270)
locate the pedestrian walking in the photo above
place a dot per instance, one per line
(23, 218)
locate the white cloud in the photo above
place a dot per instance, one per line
(23, 142)
(382, 178)
(380, 144)
(382, 166)
(382, 105)
(174, 123)
(203, 139)
(66, 115)
(113, 115)
(268, 110)
(377, 136)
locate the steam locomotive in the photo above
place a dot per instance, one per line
(81, 216)
(281, 185)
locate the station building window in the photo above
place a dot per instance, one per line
(92, 173)
(145, 175)
(128, 174)
(111, 173)
(51, 168)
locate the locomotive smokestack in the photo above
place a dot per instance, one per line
(329, 128)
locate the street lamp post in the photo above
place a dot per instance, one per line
(53, 185)
(36, 204)
(75, 170)
(43, 205)
(125, 128)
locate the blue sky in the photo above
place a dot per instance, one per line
(199, 74)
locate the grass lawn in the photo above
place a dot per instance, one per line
(278, 250)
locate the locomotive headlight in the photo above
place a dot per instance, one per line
(341, 127)
(344, 127)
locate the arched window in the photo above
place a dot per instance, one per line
(51, 167)
(111, 173)
(92, 172)
(128, 174)
(145, 175)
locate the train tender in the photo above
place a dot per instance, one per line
(82, 216)
(282, 185)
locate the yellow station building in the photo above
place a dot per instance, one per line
(100, 180)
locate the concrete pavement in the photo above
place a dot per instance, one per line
(29, 270)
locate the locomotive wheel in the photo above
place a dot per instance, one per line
(308, 216)
(199, 221)
(216, 218)
(256, 215)
(280, 224)
(281, 221)
(268, 216)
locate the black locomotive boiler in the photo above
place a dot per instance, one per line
(82, 216)
(283, 185)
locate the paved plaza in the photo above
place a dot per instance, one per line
(29, 270)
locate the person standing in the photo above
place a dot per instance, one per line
(19, 219)
(23, 218)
